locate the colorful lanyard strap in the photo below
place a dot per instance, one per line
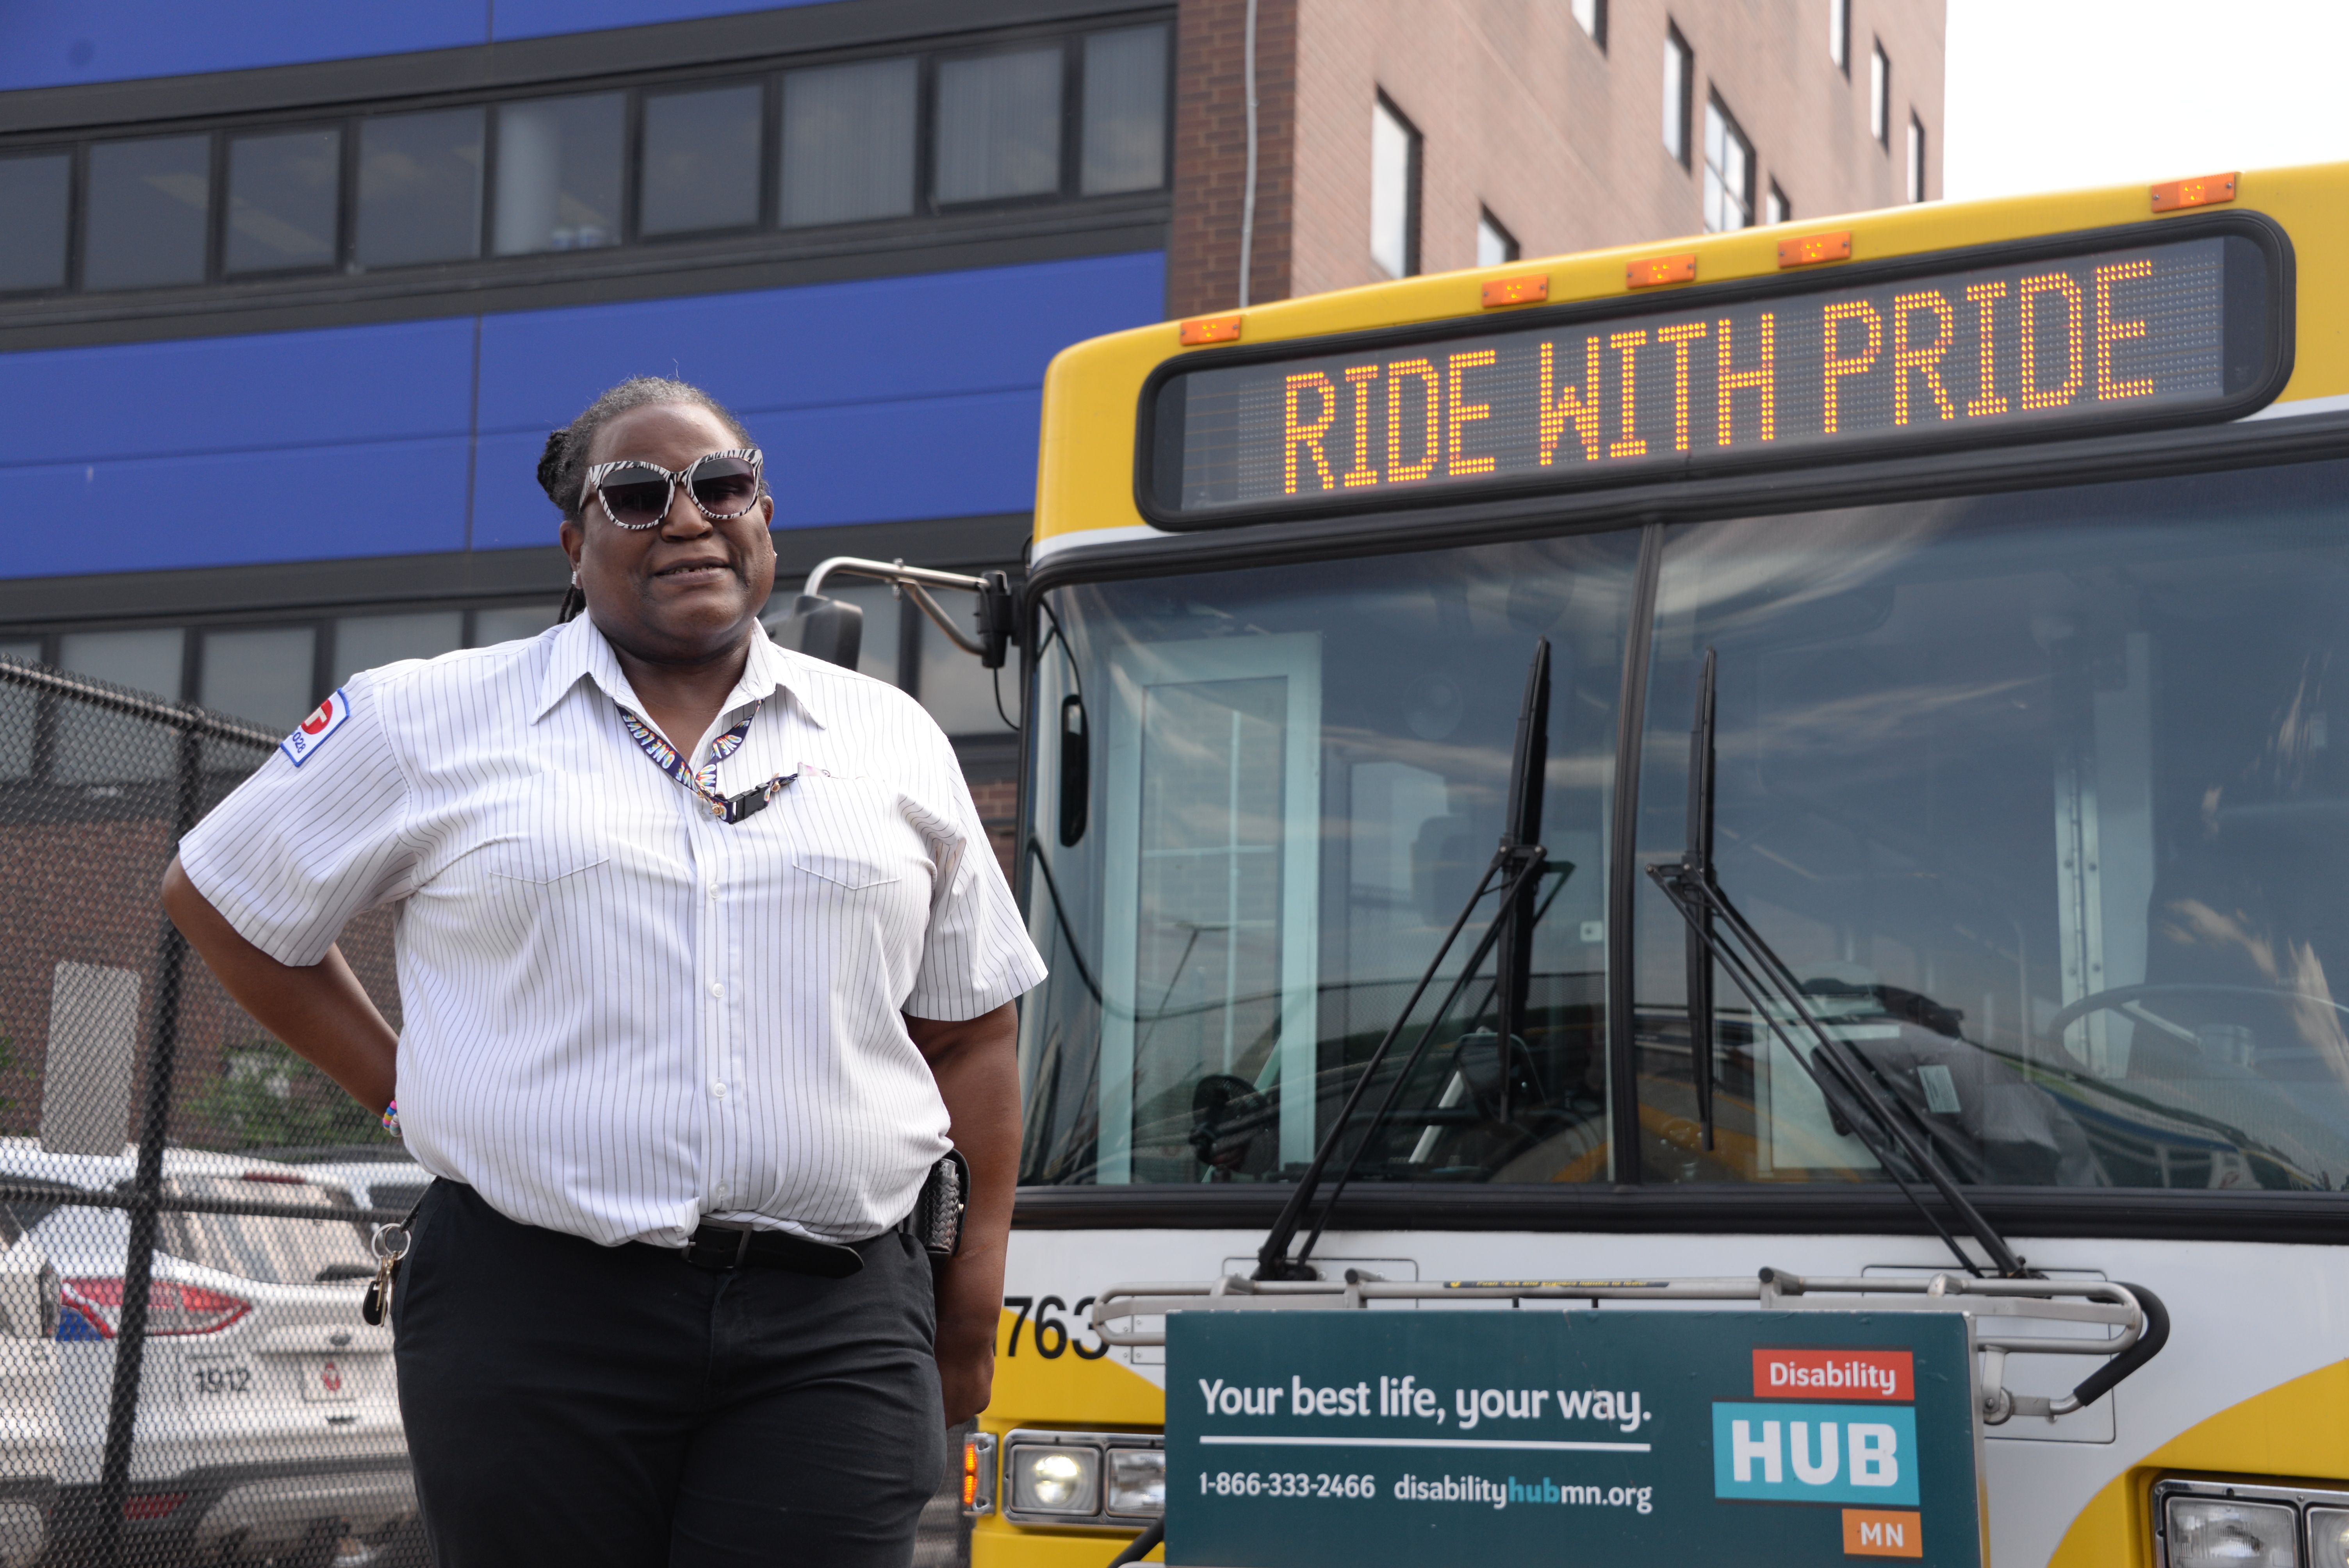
(704, 783)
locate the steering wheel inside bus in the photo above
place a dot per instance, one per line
(2128, 1001)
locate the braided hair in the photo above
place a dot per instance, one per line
(563, 466)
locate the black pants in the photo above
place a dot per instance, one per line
(574, 1404)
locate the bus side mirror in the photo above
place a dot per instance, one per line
(1076, 770)
(832, 630)
(996, 610)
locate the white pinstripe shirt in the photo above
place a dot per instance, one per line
(623, 1017)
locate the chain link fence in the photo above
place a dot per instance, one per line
(185, 1376)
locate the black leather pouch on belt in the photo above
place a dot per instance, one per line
(936, 1219)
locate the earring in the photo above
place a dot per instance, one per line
(575, 577)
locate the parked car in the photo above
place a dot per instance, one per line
(268, 1420)
(373, 1184)
(28, 1395)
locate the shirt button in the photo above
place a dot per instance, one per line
(718, 1090)
(720, 1190)
(718, 989)
(713, 887)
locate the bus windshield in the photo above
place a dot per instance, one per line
(2032, 792)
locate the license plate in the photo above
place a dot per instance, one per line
(207, 1378)
(329, 1378)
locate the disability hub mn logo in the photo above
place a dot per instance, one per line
(1834, 1428)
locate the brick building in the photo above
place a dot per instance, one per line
(1537, 126)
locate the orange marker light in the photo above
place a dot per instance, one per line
(1657, 270)
(1517, 291)
(970, 1474)
(1202, 329)
(2196, 192)
(1812, 249)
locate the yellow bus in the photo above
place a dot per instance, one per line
(1954, 591)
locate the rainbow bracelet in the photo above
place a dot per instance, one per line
(391, 1118)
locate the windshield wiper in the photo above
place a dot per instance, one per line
(1521, 859)
(1697, 860)
(1718, 933)
(1514, 961)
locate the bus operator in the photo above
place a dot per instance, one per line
(705, 963)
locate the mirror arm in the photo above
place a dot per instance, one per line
(892, 571)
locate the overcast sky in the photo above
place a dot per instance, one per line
(2049, 94)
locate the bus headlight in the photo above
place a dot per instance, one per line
(2328, 1538)
(1083, 1480)
(2226, 1532)
(1138, 1481)
(1057, 1480)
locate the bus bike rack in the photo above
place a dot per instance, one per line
(2142, 1322)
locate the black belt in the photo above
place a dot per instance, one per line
(721, 1248)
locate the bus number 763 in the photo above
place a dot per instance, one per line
(1052, 1335)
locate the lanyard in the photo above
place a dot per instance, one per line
(704, 783)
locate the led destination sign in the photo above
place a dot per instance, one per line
(2115, 337)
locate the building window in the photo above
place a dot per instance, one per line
(1728, 171)
(420, 188)
(1395, 153)
(1776, 207)
(264, 673)
(284, 192)
(998, 126)
(1592, 16)
(1125, 111)
(1679, 76)
(1080, 116)
(559, 162)
(511, 624)
(146, 213)
(961, 695)
(1496, 246)
(369, 642)
(21, 709)
(701, 159)
(1879, 96)
(1916, 158)
(36, 193)
(1839, 34)
(848, 142)
(94, 747)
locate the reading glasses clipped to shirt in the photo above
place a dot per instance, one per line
(637, 494)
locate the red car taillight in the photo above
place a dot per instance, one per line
(171, 1307)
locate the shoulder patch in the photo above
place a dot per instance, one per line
(315, 730)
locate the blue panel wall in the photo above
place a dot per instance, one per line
(60, 43)
(239, 394)
(230, 450)
(879, 400)
(899, 398)
(537, 18)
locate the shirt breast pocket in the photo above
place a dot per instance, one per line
(853, 872)
(532, 899)
(542, 872)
